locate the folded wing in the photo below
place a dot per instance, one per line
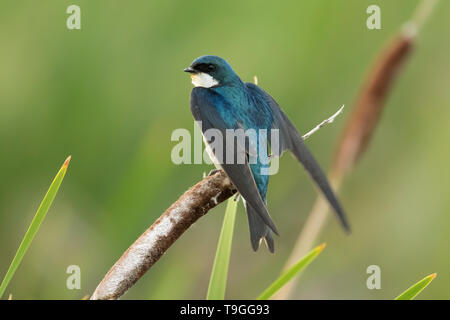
(292, 140)
(204, 106)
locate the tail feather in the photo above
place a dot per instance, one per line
(259, 230)
(294, 141)
(269, 240)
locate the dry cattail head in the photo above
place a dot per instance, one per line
(360, 127)
(370, 103)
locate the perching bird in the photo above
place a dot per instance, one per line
(221, 100)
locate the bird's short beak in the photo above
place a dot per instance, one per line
(190, 70)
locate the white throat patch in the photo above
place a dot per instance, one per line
(204, 80)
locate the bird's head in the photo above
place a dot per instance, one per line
(211, 71)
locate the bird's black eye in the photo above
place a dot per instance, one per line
(205, 67)
(211, 67)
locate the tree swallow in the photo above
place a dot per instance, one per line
(222, 101)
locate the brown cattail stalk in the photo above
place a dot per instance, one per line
(155, 241)
(359, 129)
(369, 106)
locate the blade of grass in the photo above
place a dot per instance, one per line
(291, 272)
(34, 226)
(219, 273)
(417, 288)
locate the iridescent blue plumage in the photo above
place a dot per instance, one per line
(222, 101)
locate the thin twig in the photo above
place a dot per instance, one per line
(157, 239)
(324, 122)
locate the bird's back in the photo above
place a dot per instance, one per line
(249, 110)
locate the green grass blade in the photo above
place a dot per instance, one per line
(218, 280)
(417, 288)
(34, 226)
(292, 272)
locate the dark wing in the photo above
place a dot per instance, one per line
(204, 108)
(291, 139)
(258, 229)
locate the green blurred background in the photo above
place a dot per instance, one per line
(111, 94)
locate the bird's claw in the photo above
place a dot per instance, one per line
(214, 199)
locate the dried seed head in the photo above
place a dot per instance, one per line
(370, 104)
